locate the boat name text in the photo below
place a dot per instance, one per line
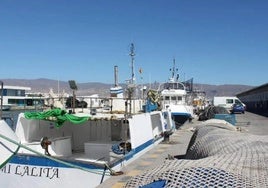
(24, 170)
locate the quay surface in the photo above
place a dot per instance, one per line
(177, 146)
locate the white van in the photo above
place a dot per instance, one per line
(226, 102)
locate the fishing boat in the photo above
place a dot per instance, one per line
(199, 101)
(72, 149)
(175, 99)
(55, 148)
(83, 151)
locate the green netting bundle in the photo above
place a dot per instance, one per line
(56, 115)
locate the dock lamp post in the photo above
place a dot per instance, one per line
(73, 86)
(2, 90)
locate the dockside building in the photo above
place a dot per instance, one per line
(256, 99)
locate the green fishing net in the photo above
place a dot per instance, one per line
(56, 115)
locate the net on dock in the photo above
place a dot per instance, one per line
(210, 111)
(216, 157)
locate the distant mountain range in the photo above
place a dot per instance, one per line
(44, 85)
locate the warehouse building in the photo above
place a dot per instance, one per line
(256, 99)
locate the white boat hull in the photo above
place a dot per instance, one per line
(27, 176)
(31, 168)
(181, 113)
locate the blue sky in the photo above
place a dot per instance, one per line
(213, 41)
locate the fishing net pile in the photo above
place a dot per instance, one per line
(210, 111)
(56, 115)
(217, 156)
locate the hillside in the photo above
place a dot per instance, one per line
(222, 90)
(43, 85)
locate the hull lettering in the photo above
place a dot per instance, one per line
(33, 171)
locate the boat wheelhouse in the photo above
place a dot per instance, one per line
(174, 98)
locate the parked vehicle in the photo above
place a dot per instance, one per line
(238, 108)
(227, 102)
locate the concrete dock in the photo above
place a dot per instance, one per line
(177, 146)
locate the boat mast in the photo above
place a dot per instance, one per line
(1, 105)
(174, 70)
(132, 54)
(131, 88)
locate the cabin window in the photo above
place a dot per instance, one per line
(237, 101)
(229, 101)
(179, 98)
(173, 98)
(167, 98)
